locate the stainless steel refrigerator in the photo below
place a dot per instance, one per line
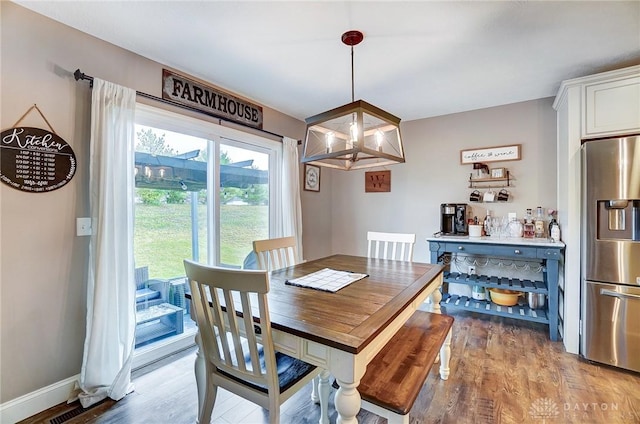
(610, 304)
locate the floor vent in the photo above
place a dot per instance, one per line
(72, 414)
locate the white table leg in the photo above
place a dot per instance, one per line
(323, 388)
(445, 355)
(315, 398)
(435, 299)
(347, 402)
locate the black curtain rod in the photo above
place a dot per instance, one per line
(79, 75)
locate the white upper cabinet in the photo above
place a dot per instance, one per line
(611, 107)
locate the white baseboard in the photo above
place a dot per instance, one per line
(32, 403)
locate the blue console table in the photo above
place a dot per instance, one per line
(544, 251)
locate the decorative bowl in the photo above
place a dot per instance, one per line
(505, 297)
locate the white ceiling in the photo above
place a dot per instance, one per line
(418, 59)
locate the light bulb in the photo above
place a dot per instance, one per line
(379, 138)
(329, 139)
(354, 131)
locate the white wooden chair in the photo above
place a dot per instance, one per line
(279, 253)
(276, 253)
(396, 246)
(238, 348)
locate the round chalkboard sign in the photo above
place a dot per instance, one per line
(35, 160)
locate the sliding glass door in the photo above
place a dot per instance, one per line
(202, 192)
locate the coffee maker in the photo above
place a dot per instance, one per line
(453, 219)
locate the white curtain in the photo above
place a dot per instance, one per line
(110, 334)
(291, 206)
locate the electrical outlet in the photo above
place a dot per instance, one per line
(472, 270)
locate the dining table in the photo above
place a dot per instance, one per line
(342, 331)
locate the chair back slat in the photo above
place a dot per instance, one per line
(397, 246)
(252, 341)
(276, 253)
(234, 330)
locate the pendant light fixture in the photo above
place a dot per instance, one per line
(356, 135)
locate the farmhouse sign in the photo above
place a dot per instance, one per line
(210, 100)
(490, 154)
(35, 160)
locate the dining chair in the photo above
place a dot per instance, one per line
(398, 246)
(276, 253)
(232, 314)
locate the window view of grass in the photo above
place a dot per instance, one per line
(163, 227)
(163, 235)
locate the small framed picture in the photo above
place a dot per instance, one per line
(497, 172)
(311, 177)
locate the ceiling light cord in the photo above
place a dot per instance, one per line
(352, 78)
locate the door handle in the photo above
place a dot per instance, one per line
(617, 294)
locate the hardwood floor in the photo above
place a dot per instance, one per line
(502, 371)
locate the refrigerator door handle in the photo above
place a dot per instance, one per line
(617, 294)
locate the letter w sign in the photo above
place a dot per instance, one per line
(377, 181)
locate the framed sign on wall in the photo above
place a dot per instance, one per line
(311, 177)
(377, 182)
(491, 154)
(35, 160)
(497, 173)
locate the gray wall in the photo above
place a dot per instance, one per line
(43, 264)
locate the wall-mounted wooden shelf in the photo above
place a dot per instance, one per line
(490, 182)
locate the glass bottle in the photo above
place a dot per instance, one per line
(539, 223)
(529, 230)
(487, 223)
(515, 227)
(552, 221)
(554, 233)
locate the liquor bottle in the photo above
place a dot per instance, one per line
(552, 221)
(539, 223)
(555, 231)
(529, 226)
(487, 223)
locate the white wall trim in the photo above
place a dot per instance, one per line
(37, 401)
(161, 349)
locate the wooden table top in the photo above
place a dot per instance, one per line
(350, 318)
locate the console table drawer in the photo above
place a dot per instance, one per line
(549, 254)
(488, 250)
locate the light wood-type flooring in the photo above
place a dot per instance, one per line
(502, 371)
